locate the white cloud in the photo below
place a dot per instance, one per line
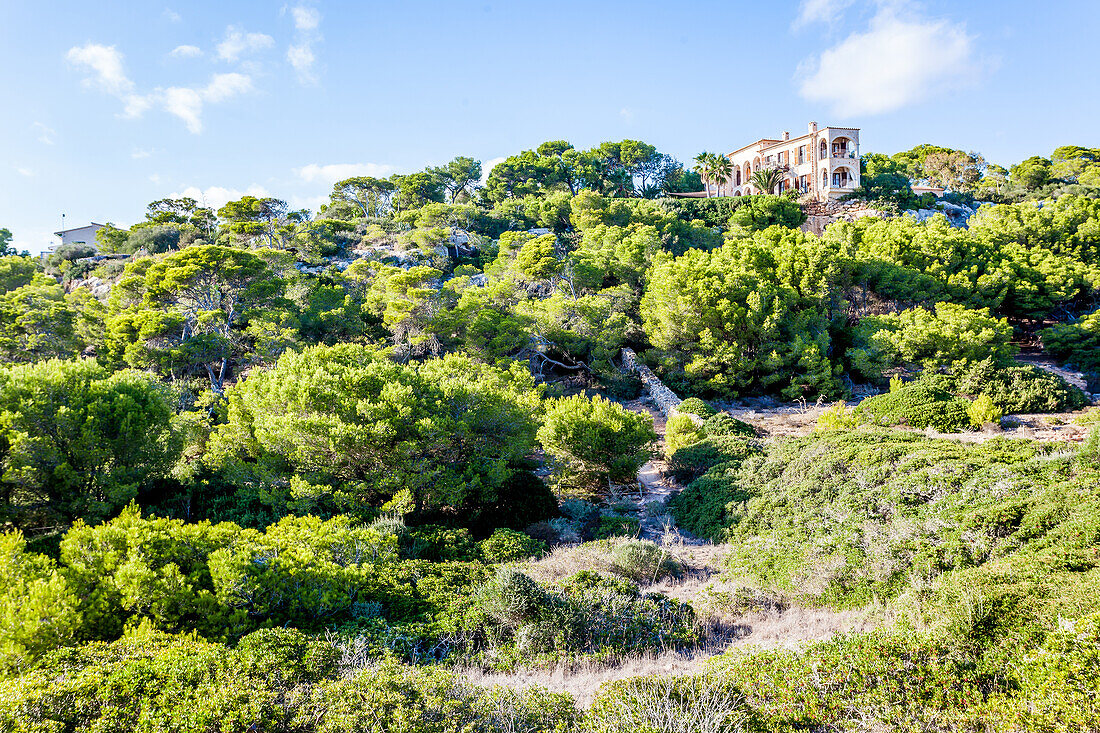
(300, 53)
(154, 178)
(217, 196)
(184, 103)
(185, 52)
(238, 43)
(187, 103)
(105, 65)
(305, 18)
(24, 172)
(226, 86)
(896, 62)
(627, 114)
(172, 16)
(45, 134)
(825, 12)
(488, 166)
(138, 153)
(313, 203)
(301, 58)
(330, 174)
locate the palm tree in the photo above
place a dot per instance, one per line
(721, 170)
(704, 167)
(766, 179)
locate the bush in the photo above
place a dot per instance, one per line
(982, 411)
(1077, 344)
(508, 545)
(435, 543)
(1090, 416)
(681, 431)
(722, 424)
(583, 515)
(616, 526)
(839, 417)
(693, 461)
(642, 561)
(596, 442)
(697, 407)
(1015, 389)
(513, 599)
(673, 704)
(917, 406)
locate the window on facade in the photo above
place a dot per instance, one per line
(801, 154)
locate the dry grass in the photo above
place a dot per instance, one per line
(786, 629)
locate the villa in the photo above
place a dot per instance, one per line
(823, 163)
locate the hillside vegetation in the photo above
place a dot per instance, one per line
(265, 470)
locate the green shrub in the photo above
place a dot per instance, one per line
(596, 441)
(697, 407)
(1016, 389)
(584, 515)
(514, 599)
(616, 526)
(917, 405)
(703, 508)
(437, 543)
(982, 411)
(642, 561)
(508, 545)
(1077, 344)
(694, 460)
(840, 417)
(1090, 416)
(723, 423)
(681, 431)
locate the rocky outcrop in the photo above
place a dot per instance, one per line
(100, 288)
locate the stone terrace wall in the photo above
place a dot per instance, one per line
(820, 214)
(665, 398)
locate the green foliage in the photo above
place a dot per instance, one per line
(692, 461)
(839, 417)
(680, 432)
(595, 441)
(1078, 343)
(79, 442)
(1014, 389)
(753, 315)
(919, 406)
(616, 525)
(508, 545)
(950, 335)
(982, 411)
(722, 423)
(38, 609)
(697, 407)
(355, 430)
(643, 561)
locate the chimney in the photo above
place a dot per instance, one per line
(786, 135)
(813, 127)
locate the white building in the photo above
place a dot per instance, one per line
(79, 235)
(823, 163)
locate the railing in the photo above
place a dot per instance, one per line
(850, 154)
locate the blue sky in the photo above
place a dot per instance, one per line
(110, 105)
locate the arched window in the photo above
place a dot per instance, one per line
(737, 178)
(824, 150)
(756, 164)
(824, 177)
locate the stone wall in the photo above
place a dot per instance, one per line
(665, 398)
(820, 214)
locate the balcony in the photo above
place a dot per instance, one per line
(844, 154)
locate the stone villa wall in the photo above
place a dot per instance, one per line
(820, 214)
